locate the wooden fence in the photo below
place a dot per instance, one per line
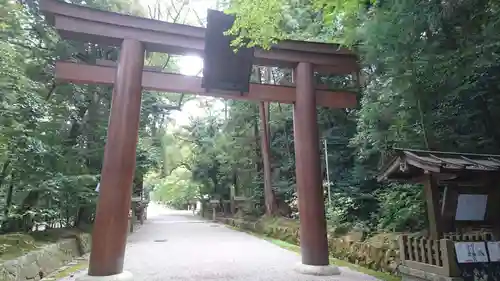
(433, 256)
(470, 236)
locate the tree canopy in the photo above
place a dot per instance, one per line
(429, 72)
(53, 134)
(429, 80)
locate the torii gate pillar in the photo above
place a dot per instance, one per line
(111, 225)
(313, 237)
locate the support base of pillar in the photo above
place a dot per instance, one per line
(317, 270)
(124, 276)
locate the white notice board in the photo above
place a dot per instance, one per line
(471, 252)
(471, 207)
(494, 251)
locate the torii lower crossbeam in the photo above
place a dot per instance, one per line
(176, 83)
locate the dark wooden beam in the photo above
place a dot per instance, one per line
(176, 83)
(393, 167)
(431, 190)
(449, 207)
(494, 208)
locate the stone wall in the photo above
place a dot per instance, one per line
(39, 263)
(368, 253)
(380, 252)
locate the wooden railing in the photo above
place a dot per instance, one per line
(471, 236)
(433, 256)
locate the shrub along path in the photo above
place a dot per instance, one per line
(174, 245)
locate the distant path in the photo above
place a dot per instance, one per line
(175, 245)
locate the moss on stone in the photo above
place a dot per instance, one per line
(13, 245)
(70, 270)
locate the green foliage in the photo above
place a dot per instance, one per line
(253, 21)
(402, 208)
(263, 23)
(53, 135)
(430, 81)
(177, 189)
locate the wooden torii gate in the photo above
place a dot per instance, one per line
(135, 35)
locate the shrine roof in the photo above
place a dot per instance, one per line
(408, 164)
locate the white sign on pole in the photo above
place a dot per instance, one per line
(471, 252)
(471, 207)
(494, 250)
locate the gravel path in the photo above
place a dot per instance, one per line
(174, 245)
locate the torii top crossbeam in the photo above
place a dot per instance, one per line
(81, 23)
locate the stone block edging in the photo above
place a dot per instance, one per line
(35, 265)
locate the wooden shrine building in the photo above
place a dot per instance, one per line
(225, 75)
(462, 195)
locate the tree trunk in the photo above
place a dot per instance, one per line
(3, 175)
(269, 197)
(258, 157)
(8, 200)
(233, 194)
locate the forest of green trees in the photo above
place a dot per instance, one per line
(429, 81)
(429, 73)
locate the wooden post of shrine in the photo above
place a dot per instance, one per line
(313, 236)
(495, 208)
(431, 190)
(449, 207)
(110, 227)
